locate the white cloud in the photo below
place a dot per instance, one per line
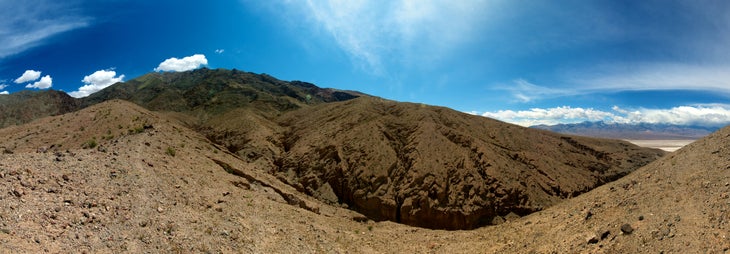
(184, 64)
(702, 115)
(3, 86)
(524, 91)
(45, 82)
(27, 24)
(415, 32)
(716, 115)
(655, 76)
(550, 116)
(219, 51)
(627, 77)
(97, 81)
(28, 76)
(4, 92)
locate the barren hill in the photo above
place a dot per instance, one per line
(25, 106)
(437, 168)
(410, 163)
(415, 164)
(211, 92)
(230, 107)
(154, 185)
(115, 177)
(677, 204)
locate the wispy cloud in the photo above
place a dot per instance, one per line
(525, 91)
(626, 77)
(184, 64)
(219, 51)
(702, 115)
(656, 76)
(97, 81)
(372, 32)
(26, 24)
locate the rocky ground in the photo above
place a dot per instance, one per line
(117, 178)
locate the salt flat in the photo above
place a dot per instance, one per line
(666, 145)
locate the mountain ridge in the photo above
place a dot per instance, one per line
(411, 163)
(27, 105)
(641, 131)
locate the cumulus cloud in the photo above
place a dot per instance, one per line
(550, 116)
(45, 83)
(185, 64)
(97, 81)
(700, 115)
(28, 76)
(4, 92)
(703, 115)
(26, 24)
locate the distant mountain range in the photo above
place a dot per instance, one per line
(642, 131)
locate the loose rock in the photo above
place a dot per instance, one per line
(627, 229)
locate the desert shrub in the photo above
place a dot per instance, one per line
(170, 151)
(138, 129)
(91, 143)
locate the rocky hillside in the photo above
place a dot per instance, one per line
(409, 163)
(115, 177)
(150, 184)
(232, 108)
(437, 168)
(677, 204)
(207, 92)
(25, 106)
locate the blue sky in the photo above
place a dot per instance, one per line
(526, 62)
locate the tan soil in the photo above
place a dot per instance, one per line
(133, 195)
(437, 168)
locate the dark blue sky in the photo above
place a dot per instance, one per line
(526, 62)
